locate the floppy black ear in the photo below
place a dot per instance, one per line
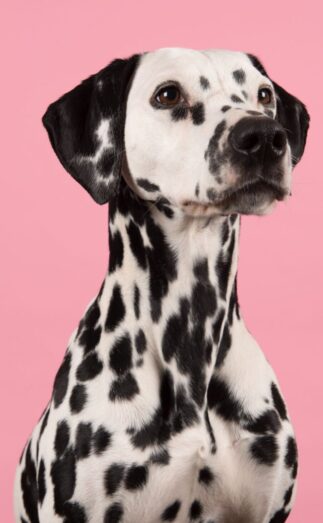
(291, 113)
(86, 128)
(293, 116)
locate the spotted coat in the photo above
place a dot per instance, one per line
(164, 407)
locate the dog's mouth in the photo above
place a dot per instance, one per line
(256, 196)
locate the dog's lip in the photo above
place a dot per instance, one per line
(256, 184)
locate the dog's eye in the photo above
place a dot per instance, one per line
(168, 95)
(265, 95)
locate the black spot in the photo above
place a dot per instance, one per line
(198, 113)
(162, 267)
(225, 108)
(29, 487)
(140, 342)
(74, 513)
(61, 381)
(179, 113)
(115, 250)
(90, 367)
(163, 205)
(78, 398)
(206, 476)
(63, 476)
(83, 440)
(171, 511)
(136, 477)
(88, 335)
(197, 190)
(205, 84)
(116, 312)
(106, 161)
(208, 351)
(136, 302)
(288, 495)
(279, 517)
(167, 394)
(236, 99)
(62, 438)
(121, 355)
(90, 318)
(101, 440)
(155, 432)
(223, 266)
(239, 75)
(222, 400)
(195, 510)
(233, 303)
(137, 244)
(189, 345)
(266, 422)
(113, 477)
(161, 457)
(269, 113)
(245, 94)
(172, 336)
(44, 423)
(125, 388)
(278, 402)
(44, 420)
(147, 185)
(41, 481)
(224, 346)
(213, 146)
(264, 450)
(291, 452)
(114, 513)
(212, 193)
(90, 338)
(203, 301)
(129, 204)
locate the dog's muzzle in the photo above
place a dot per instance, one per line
(257, 141)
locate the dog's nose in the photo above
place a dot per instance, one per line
(258, 137)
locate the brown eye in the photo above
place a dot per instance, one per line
(265, 95)
(168, 96)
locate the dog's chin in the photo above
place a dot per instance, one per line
(257, 198)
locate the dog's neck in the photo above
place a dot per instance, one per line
(177, 277)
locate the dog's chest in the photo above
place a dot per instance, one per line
(183, 480)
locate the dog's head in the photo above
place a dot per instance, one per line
(207, 132)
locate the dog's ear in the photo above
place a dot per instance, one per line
(291, 113)
(294, 117)
(86, 128)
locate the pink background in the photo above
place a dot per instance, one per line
(54, 238)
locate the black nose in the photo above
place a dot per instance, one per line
(258, 138)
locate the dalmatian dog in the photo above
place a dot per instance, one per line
(164, 407)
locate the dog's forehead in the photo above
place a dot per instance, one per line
(216, 65)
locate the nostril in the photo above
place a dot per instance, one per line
(250, 143)
(279, 142)
(258, 137)
(247, 143)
